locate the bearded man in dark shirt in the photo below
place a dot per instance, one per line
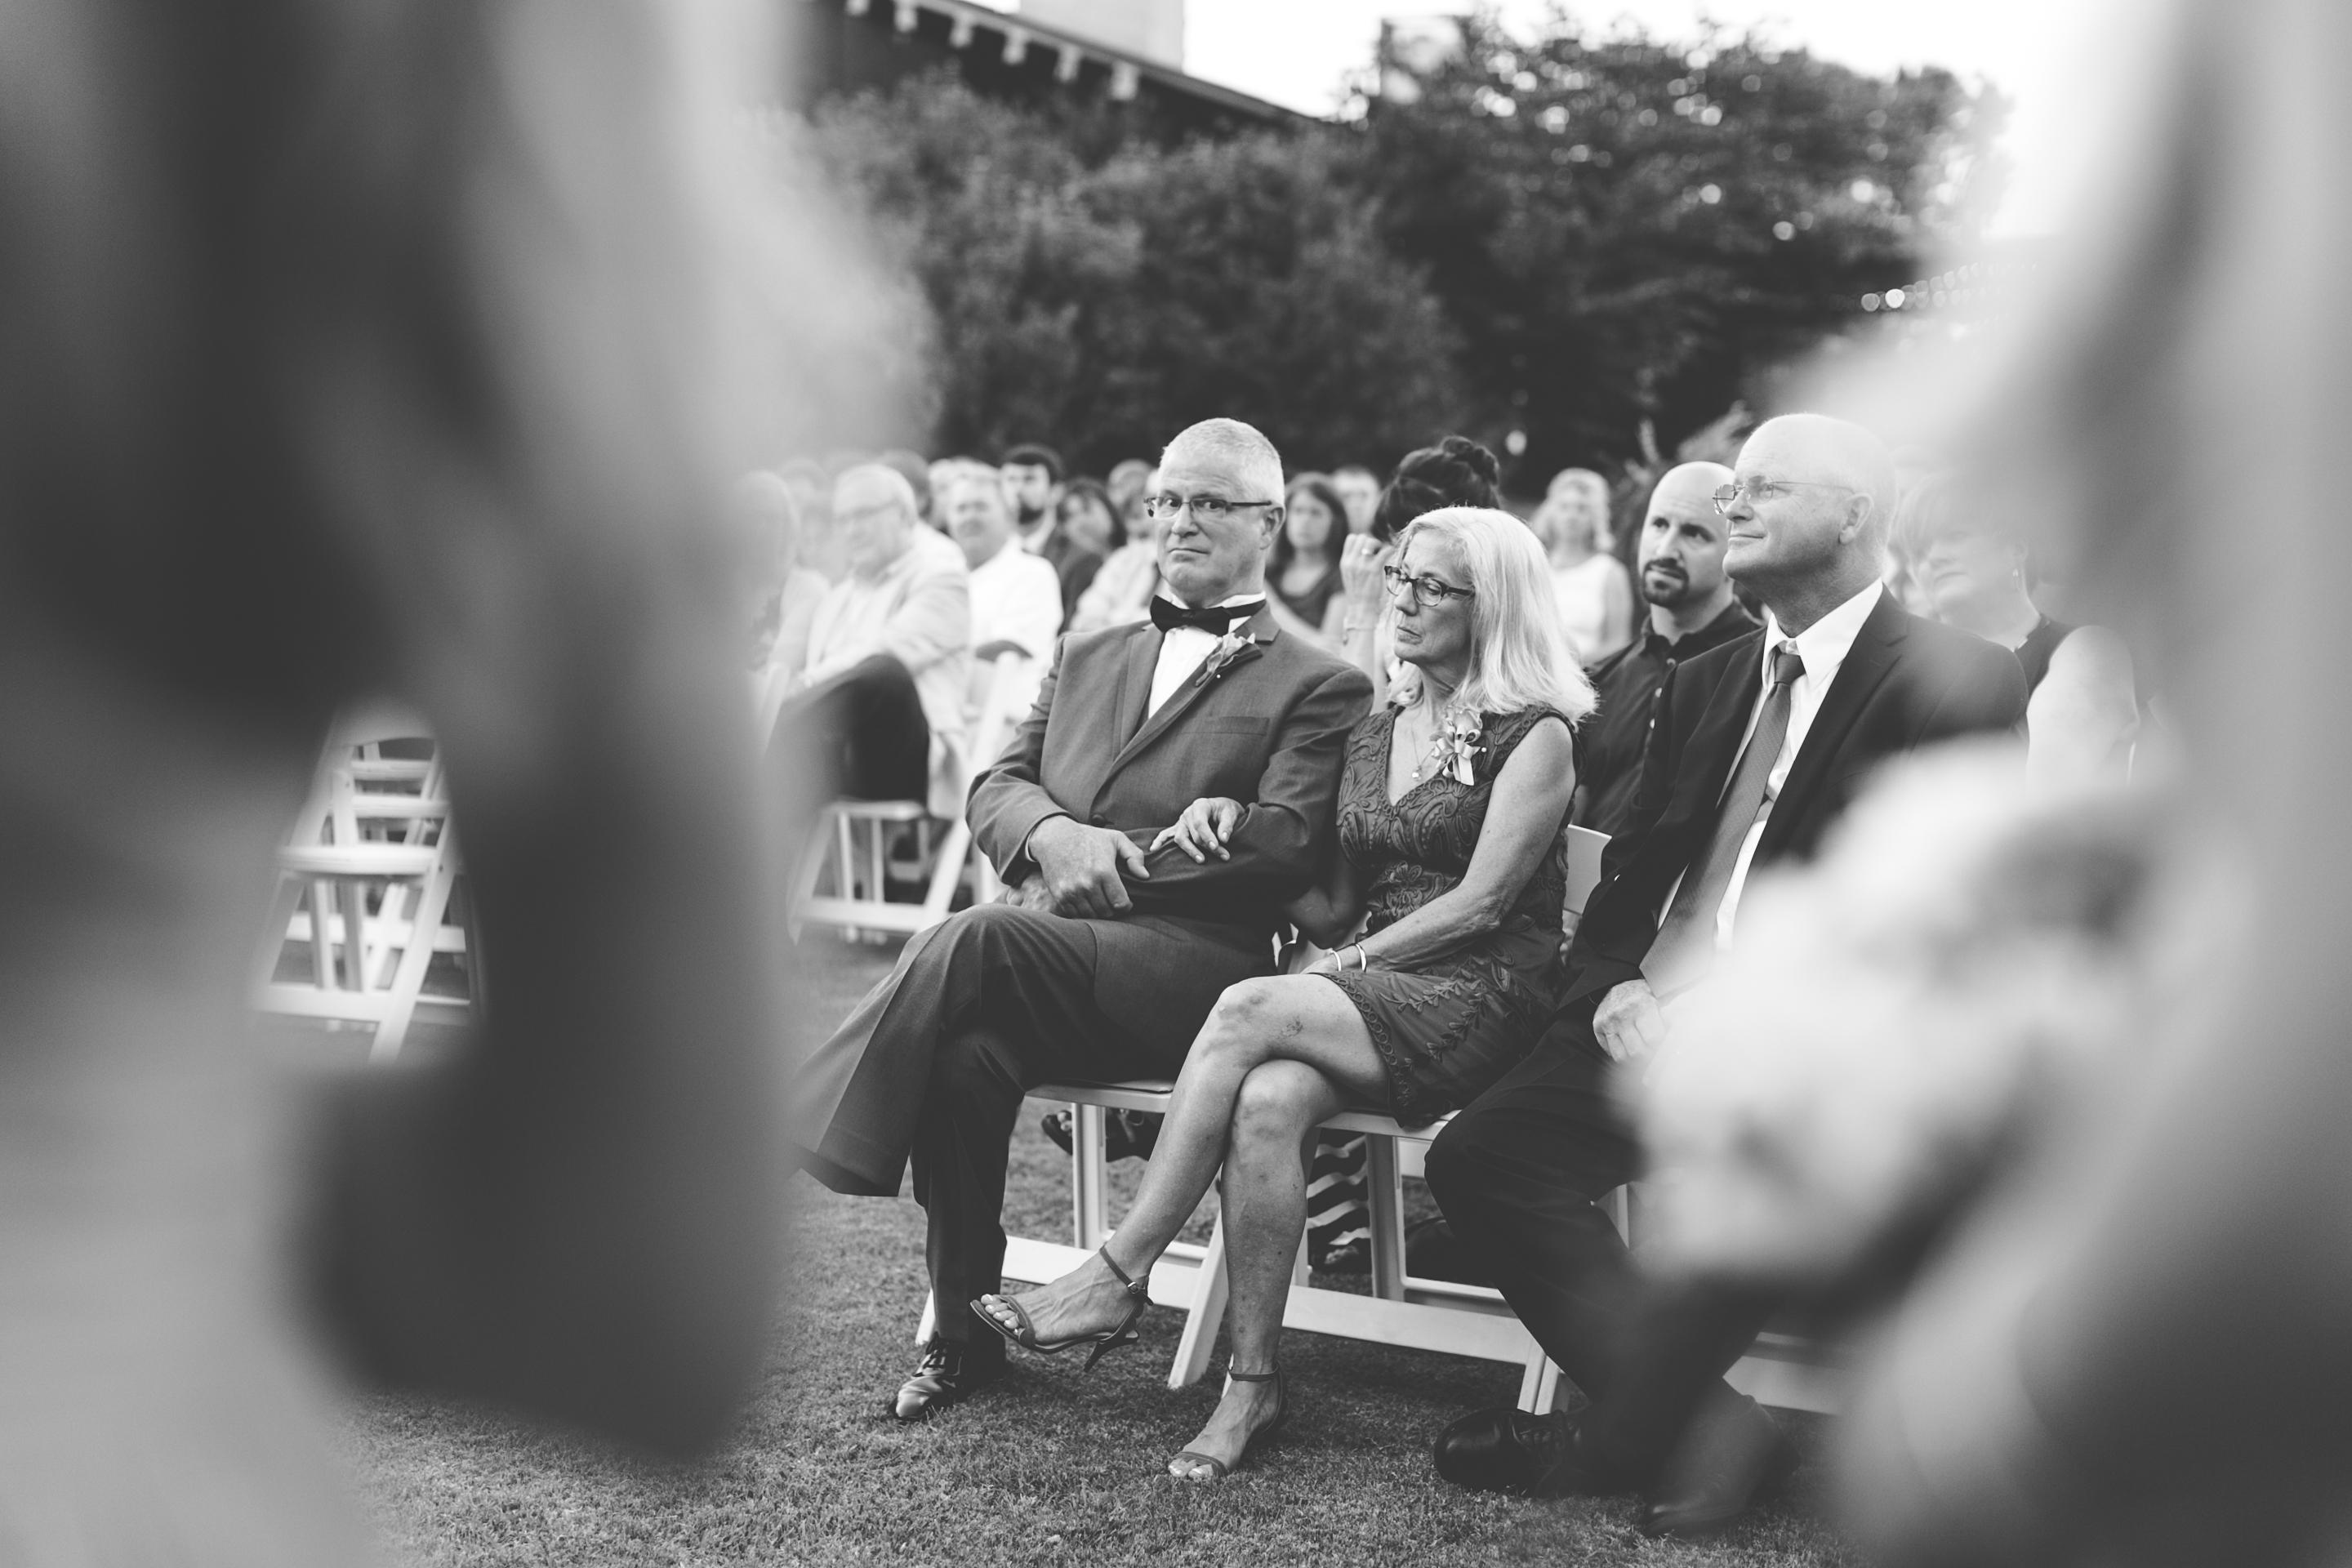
(1680, 567)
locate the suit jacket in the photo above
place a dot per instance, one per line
(1906, 682)
(1269, 730)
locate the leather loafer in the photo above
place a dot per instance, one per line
(1507, 1450)
(951, 1373)
(1720, 1469)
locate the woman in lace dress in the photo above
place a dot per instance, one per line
(1450, 813)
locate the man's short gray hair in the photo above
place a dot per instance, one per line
(1850, 455)
(889, 479)
(1230, 441)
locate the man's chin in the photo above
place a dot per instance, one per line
(1666, 596)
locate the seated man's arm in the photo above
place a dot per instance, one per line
(932, 622)
(1032, 614)
(1275, 847)
(1621, 920)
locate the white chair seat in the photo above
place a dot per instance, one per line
(1439, 1315)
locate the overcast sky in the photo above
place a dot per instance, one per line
(1296, 52)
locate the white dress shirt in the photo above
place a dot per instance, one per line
(1823, 647)
(918, 609)
(1016, 597)
(1182, 650)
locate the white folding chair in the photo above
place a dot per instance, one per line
(374, 827)
(848, 850)
(1402, 1310)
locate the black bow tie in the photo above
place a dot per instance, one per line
(1213, 619)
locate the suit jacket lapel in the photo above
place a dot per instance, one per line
(1867, 663)
(1715, 739)
(1129, 708)
(1262, 630)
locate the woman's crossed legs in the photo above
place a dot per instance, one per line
(1276, 1058)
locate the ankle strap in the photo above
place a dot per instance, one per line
(1112, 1264)
(1267, 1376)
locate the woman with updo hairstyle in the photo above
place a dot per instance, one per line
(1457, 471)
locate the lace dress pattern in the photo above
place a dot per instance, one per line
(1448, 1029)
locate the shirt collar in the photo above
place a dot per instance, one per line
(1729, 624)
(1222, 603)
(1824, 644)
(1013, 547)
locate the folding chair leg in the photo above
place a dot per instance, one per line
(1387, 1196)
(352, 894)
(1540, 1386)
(1089, 1177)
(1209, 1288)
(946, 871)
(408, 980)
(322, 947)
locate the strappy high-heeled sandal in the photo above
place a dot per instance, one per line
(1218, 1468)
(1138, 1293)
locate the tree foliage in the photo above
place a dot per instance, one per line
(1103, 305)
(1568, 237)
(1623, 229)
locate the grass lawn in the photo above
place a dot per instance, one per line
(1046, 1466)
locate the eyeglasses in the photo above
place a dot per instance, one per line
(1426, 589)
(1765, 490)
(1204, 509)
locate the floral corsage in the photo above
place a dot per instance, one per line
(1457, 746)
(1228, 648)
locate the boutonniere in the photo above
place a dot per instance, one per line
(1228, 648)
(1457, 745)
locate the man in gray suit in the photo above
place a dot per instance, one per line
(1105, 959)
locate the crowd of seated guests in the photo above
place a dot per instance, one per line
(1445, 979)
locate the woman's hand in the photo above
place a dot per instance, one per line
(1360, 572)
(1205, 829)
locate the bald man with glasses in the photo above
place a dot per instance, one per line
(1756, 748)
(1105, 959)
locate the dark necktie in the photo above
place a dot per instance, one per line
(1213, 619)
(1684, 947)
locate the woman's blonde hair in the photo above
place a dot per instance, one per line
(1521, 656)
(1593, 515)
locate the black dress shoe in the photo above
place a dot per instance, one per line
(1508, 1450)
(1720, 1469)
(1126, 1134)
(951, 1372)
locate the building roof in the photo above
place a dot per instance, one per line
(870, 43)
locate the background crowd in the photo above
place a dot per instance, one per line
(845, 567)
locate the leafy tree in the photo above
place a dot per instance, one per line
(1104, 304)
(1626, 230)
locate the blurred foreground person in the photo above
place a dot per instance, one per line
(1756, 748)
(1690, 610)
(289, 429)
(1112, 943)
(2081, 712)
(2139, 1350)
